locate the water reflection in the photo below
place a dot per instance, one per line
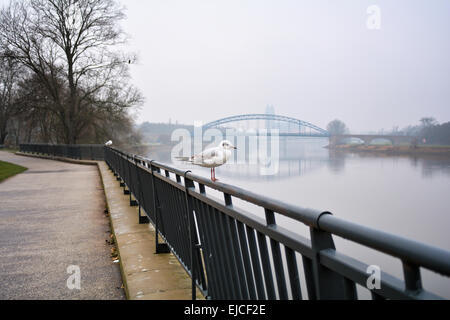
(302, 156)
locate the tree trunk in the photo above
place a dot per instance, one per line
(3, 132)
(3, 136)
(19, 125)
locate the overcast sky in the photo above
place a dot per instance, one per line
(314, 60)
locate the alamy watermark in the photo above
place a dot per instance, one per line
(74, 280)
(374, 280)
(253, 147)
(374, 17)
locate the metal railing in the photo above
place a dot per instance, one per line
(79, 152)
(234, 254)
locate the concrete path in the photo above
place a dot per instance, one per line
(52, 217)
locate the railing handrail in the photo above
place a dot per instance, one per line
(61, 145)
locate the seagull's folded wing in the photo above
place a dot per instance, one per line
(207, 157)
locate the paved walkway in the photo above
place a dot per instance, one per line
(51, 217)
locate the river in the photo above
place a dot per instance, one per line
(403, 195)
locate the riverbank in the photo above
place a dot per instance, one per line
(395, 150)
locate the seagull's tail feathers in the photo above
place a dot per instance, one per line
(185, 159)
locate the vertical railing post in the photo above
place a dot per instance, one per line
(159, 247)
(328, 284)
(188, 183)
(413, 279)
(129, 183)
(142, 219)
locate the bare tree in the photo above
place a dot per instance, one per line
(9, 79)
(337, 127)
(38, 123)
(428, 122)
(70, 45)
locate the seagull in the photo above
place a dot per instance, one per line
(212, 158)
(109, 143)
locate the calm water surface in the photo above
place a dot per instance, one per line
(406, 196)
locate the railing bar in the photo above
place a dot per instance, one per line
(220, 252)
(211, 271)
(294, 277)
(198, 252)
(220, 285)
(231, 229)
(309, 278)
(183, 220)
(181, 233)
(350, 289)
(191, 236)
(161, 212)
(279, 270)
(171, 220)
(156, 207)
(246, 260)
(262, 242)
(256, 264)
(228, 254)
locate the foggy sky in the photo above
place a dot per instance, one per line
(314, 60)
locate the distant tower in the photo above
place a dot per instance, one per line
(270, 110)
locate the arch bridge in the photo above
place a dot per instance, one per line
(315, 131)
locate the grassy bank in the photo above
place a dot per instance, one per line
(7, 170)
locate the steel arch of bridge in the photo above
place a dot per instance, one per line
(271, 117)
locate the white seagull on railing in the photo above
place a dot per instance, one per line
(109, 143)
(212, 158)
